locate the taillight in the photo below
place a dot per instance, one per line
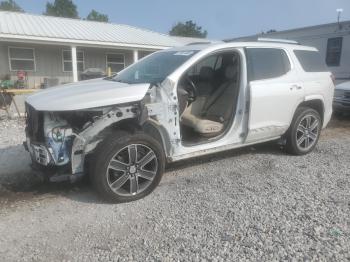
(333, 78)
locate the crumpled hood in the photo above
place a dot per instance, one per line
(343, 86)
(86, 94)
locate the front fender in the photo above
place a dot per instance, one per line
(86, 141)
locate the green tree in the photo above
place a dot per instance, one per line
(62, 8)
(10, 5)
(96, 16)
(188, 29)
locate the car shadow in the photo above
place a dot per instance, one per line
(19, 192)
(340, 120)
(21, 184)
(271, 148)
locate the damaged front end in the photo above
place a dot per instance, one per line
(59, 142)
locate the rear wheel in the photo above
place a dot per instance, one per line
(127, 167)
(304, 131)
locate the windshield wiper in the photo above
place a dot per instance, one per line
(117, 80)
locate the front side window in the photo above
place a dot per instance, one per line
(67, 61)
(334, 48)
(116, 62)
(214, 62)
(266, 63)
(154, 68)
(21, 59)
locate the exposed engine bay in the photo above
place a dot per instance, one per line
(57, 139)
(60, 141)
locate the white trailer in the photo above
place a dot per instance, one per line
(332, 40)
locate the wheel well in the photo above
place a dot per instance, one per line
(128, 125)
(316, 104)
(132, 126)
(158, 135)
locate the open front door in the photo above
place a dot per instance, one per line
(274, 94)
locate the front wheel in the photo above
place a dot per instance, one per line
(127, 167)
(304, 131)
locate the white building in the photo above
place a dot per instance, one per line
(332, 40)
(46, 47)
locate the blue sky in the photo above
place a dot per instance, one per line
(221, 18)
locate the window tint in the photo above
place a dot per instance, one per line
(334, 48)
(213, 61)
(265, 63)
(311, 61)
(154, 68)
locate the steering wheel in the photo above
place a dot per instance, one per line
(191, 89)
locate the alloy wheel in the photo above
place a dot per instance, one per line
(307, 132)
(132, 170)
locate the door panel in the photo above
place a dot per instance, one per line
(274, 92)
(272, 106)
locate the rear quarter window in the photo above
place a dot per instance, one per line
(266, 63)
(311, 61)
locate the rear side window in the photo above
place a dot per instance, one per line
(266, 63)
(311, 61)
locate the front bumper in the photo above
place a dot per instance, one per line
(43, 162)
(38, 153)
(46, 154)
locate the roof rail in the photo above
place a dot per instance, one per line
(285, 41)
(200, 43)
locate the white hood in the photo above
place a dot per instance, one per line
(87, 94)
(343, 86)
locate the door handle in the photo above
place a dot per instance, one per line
(296, 87)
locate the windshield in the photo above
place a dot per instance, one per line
(154, 68)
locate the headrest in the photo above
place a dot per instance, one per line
(206, 72)
(230, 72)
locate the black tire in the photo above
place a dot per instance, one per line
(107, 150)
(292, 146)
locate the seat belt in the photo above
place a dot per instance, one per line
(207, 106)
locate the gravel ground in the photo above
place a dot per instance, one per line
(255, 203)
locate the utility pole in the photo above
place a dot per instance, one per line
(339, 11)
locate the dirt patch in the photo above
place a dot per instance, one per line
(338, 127)
(37, 189)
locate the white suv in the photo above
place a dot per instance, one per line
(178, 104)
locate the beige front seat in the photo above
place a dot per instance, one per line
(207, 115)
(191, 118)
